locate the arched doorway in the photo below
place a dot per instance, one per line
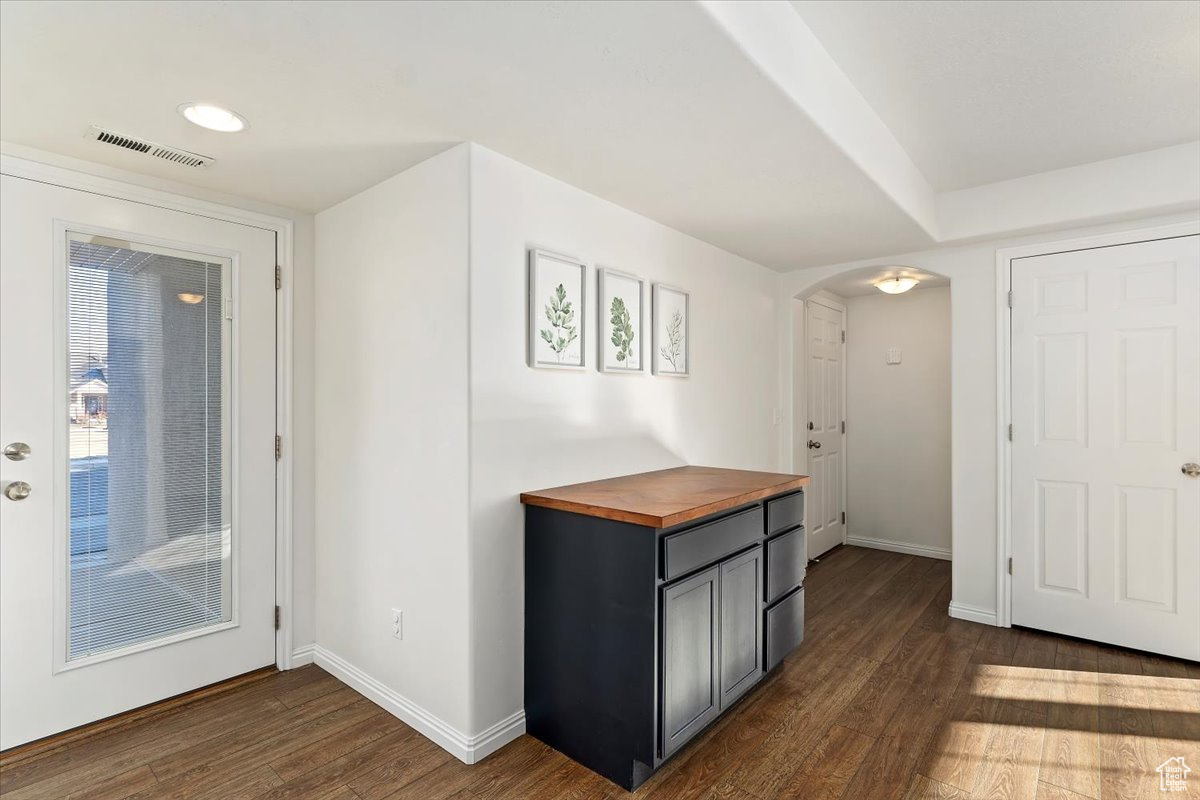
(870, 389)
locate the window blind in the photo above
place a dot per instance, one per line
(150, 526)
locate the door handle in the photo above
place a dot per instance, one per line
(813, 445)
(17, 490)
(1191, 469)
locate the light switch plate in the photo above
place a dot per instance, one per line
(893, 355)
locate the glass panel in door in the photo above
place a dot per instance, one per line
(150, 551)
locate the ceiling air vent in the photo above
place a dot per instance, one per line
(173, 154)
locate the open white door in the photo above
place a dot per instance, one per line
(826, 495)
(1106, 418)
(137, 408)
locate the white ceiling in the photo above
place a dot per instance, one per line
(988, 90)
(646, 104)
(656, 106)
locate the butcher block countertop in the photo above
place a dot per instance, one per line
(667, 497)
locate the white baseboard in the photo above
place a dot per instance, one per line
(467, 749)
(900, 547)
(303, 656)
(974, 614)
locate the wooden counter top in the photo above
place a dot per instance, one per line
(667, 497)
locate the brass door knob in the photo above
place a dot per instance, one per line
(17, 490)
(1191, 469)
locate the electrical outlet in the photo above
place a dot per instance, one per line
(397, 623)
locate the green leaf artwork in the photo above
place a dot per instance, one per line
(562, 331)
(673, 349)
(622, 330)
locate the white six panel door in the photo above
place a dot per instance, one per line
(1106, 411)
(825, 497)
(138, 363)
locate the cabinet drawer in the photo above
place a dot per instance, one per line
(787, 558)
(785, 627)
(695, 547)
(785, 512)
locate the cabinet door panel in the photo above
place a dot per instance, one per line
(741, 624)
(690, 697)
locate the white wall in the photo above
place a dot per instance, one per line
(898, 419)
(973, 431)
(392, 434)
(531, 429)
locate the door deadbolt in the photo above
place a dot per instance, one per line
(17, 451)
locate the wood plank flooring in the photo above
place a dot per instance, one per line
(887, 698)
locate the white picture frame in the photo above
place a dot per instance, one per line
(672, 335)
(619, 294)
(557, 311)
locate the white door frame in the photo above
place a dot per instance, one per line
(821, 297)
(1004, 259)
(283, 229)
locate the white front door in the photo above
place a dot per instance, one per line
(137, 363)
(1106, 413)
(826, 495)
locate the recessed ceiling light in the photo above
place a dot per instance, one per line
(215, 118)
(897, 285)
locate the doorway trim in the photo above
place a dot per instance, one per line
(1004, 258)
(283, 228)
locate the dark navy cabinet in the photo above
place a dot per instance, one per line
(638, 637)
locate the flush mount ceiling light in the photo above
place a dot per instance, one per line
(190, 298)
(897, 285)
(215, 118)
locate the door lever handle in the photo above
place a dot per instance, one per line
(813, 445)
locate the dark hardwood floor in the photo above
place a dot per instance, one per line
(887, 698)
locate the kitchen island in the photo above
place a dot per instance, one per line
(653, 602)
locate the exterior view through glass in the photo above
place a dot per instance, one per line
(150, 550)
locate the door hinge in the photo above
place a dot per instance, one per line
(843, 426)
(277, 616)
(278, 277)
(278, 447)
(843, 517)
(1010, 565)
(843, 337)
(1010, 298)
(1010, 432)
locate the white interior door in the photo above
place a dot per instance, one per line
(1106, 413)
(137, 362)
(826, 495)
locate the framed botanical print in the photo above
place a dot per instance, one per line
(619, 296)
(671, 346)
(557, 322)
